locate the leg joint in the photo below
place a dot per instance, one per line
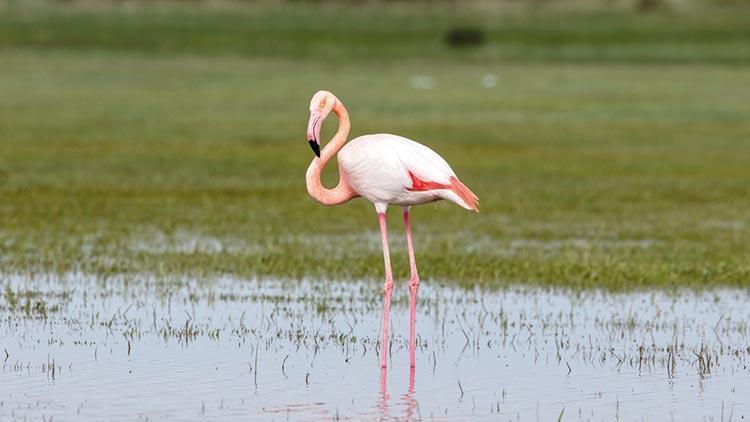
(414, 281)
(388, 287)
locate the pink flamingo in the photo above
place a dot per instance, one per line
(386, 170)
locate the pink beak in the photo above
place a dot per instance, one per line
(313, 132)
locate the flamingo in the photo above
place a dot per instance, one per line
(386, 170)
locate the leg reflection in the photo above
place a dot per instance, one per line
(408, 400)
(384, 397)
(411, 408)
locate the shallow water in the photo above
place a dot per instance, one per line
(148, 348)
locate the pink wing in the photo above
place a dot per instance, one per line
(429, 171)
(455, 185)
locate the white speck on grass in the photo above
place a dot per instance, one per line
(489, 81)
(188, 242)
(505, 247)
(556, 244)
(724, 224)
(422, 82)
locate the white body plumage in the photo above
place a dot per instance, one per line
(382, 168)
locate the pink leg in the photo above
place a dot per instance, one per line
(413, 289)
(387, 290)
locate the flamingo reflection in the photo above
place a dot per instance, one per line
(408, 400)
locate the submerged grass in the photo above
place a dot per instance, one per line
(288, 342)
(622, 172)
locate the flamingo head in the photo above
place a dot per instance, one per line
(321, 105)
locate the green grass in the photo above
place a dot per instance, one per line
(623, 173)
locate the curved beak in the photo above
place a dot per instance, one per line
(313, 132)
(315, 147)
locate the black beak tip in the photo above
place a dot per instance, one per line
(315, 147)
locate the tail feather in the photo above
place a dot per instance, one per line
(465, 194)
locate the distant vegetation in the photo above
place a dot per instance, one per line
(524, 30)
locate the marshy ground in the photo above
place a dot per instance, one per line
(82, 347)
(160, 258)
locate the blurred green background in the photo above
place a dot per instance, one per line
(608, 141)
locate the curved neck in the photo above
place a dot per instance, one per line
(342, 192)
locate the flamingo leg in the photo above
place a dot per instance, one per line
(413, 289)
(387, 290)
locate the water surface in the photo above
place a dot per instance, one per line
(151, 348)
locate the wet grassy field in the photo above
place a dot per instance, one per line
(608, 149)
(160, 258)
